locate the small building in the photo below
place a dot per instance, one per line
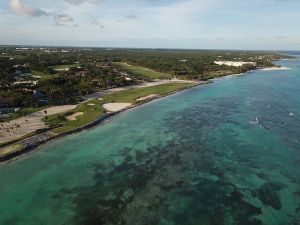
(5, 101)
(81, 73)
(41, 97)
(4, 111)
(31, 83)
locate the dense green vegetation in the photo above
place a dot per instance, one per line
(34, 77)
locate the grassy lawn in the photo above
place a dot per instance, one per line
(64, 67)
(130, 96)
(148, 73)
(44, 75)
(90, 113)
(39, 73)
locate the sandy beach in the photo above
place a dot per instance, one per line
(22, 126)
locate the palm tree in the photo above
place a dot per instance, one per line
(45, 111)
(18, 127)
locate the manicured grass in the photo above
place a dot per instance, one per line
(147, 73)
(130, 96)
(43, 75)
(63, 67)
(91, 113)
(39, 73)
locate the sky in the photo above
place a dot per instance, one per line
(195, 24)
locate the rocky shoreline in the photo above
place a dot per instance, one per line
(31, 143)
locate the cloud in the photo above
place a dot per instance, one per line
(64, 20)
(132, 16)
(60, 19)
(97, 23)
(188, 7)
(181, 18)
(25, 10)
(281, 37)
(78, 2)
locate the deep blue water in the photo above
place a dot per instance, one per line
(224, 153)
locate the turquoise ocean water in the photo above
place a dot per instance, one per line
(226, 153)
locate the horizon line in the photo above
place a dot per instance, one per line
(146, 48)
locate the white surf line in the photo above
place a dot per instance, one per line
(256, 122)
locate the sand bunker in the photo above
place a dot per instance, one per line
(114, 107)
(74, 116)
(148, 97)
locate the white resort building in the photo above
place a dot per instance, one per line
(235, 63)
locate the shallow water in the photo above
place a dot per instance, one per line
(224, 153)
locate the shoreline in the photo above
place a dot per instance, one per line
(31, 143)
(274, 68)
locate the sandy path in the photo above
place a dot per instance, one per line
(25, 125)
